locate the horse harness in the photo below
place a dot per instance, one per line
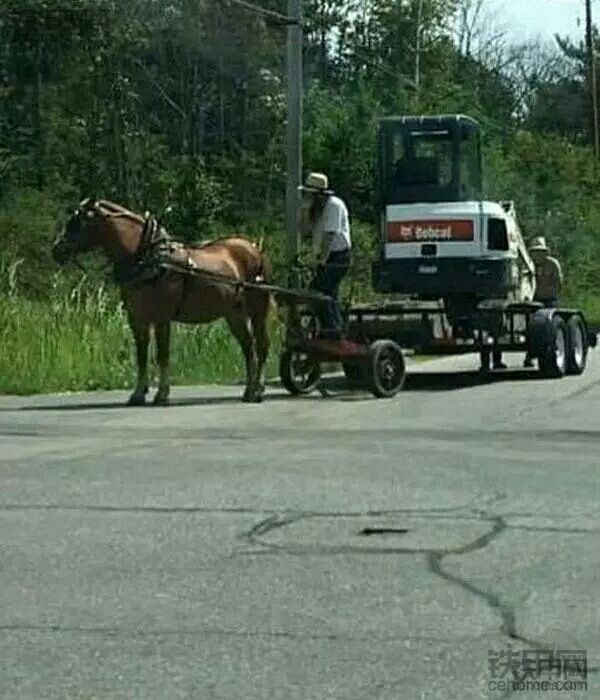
(145, 266)
(157, 253)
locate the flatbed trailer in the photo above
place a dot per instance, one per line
(378, 335)
(558, 338)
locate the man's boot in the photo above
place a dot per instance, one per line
(497, 360)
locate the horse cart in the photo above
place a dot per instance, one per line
(377, 366)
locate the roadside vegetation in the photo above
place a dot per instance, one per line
(182, 103)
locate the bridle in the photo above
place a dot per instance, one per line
(153, 239)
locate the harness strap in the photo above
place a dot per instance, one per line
(184, 295)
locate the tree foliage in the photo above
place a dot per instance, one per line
(182, 102)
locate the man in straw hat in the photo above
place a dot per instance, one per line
(549, 280)
(325, 218)
(548, 273)
(548, 277)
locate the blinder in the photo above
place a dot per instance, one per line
(75, 238)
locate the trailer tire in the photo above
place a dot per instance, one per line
(553, 356)
(577, 348)
(386, 370)
(299, 375)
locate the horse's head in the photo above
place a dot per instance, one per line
(100, 224)
(82, 232)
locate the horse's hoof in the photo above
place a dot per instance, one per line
(252, 398)
(136, 400)
(160, 400)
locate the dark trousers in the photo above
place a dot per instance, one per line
(327, 280)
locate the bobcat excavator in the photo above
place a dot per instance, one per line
(439, 238)
(453, 265)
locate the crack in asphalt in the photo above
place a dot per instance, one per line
(393, 434)
(434, 558)
(443, 512)
(507, 613)
(277, 520)
(558, 530)
(159, 510)
(244, 634)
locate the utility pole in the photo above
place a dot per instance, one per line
(589, 40)
(418, 51)
(294, 127)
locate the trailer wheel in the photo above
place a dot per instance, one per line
(577, 349)
(386, 370)
(298, 374)
(553, 358)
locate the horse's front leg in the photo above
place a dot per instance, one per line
(141, 335)
(162, 332)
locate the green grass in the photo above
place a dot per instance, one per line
(79, 340)
(589, 305)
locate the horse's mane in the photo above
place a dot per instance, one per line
(118, 209)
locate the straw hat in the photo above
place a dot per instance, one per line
(316, 183)
(539, 244)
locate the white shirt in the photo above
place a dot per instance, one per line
(335, 220)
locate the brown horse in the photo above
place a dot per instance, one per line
(128, 239)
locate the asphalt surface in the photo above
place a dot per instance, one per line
(338, 547)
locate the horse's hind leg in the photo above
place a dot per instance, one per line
(141, 335)
(162, 332)
(241, 327)
(261, 336)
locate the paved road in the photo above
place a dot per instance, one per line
(216, 550)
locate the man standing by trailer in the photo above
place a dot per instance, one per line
(326, 219)
(548, 274)
(548, 278)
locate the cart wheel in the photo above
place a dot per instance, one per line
(553, 359)
(577, 349)
(355, 375)
(298, 374)
(386, 369)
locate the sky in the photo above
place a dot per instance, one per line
(532, 18)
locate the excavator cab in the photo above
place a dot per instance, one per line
(430, 159)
